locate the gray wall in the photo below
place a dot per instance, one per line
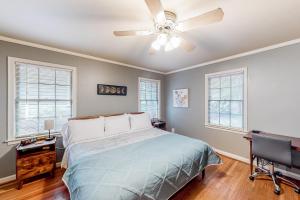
(273, 98)
(90, 73)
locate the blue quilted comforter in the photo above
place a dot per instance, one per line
(152, 169)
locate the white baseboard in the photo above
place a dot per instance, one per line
(7, 179)
(13, 177)
(246, 160)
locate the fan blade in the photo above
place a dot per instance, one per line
(132, 33)
(156, 10)
(204, 19)
(187, 45)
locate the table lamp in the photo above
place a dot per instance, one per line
(48, 125)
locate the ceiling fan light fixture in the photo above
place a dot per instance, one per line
(155, 45)
(175, 41)
(162, 39)
(169, 46)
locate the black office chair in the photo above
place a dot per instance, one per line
(270, 150)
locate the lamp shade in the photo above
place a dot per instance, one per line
(49, 124)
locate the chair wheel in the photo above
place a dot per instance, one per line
(277, 192)
(297, 191)
(277, 173)
(251, 178)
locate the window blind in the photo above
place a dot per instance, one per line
(149, 92)
(41, 93)
(226, 103)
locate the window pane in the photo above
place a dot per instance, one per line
(237, 121)
(26, 109)
(237, 93)
(26, 126)
(214, 107)
(225, 94)
(32, 91)
(225, 81)
(21, 90)
(63, 92)
(237, 80)
(60, 121)
(142, 85)
(214, 118)
(63, 77)
(47, 91)
(214, 94)
(47, 109)
(47, 75)
(63, 109)
(225, 107)
(21, 73)
(237, 107)
(214, 83)
(225, 120)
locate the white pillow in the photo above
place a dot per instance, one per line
(65, 134)
(140, 121)
(84, 130)
(117, 124)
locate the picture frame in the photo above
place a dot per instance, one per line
(181, 98)
(103, 89)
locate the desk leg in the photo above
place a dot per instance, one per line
(251, 159)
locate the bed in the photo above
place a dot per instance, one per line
(143, 164)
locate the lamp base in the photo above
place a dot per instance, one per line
(50, 138)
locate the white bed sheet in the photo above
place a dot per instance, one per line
(79, 150)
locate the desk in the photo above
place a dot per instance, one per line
(248, 136)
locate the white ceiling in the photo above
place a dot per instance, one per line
(86, 27)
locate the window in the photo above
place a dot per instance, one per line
(226, 99)
(149, 97)
(38, 91)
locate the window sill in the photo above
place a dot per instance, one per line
(220, 128)
(17, 140)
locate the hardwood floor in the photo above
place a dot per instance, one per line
(228, 181)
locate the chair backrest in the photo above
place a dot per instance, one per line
(295, 159)
(273, 149)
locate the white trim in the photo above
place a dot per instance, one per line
(247, 161)
(233, 156)
(31, 44)
(158, 92)
(255, 51)
(245, 108)
(231, 130)
(13, 177)
(7, 179)
(11, 61)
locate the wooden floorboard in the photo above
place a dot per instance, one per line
(228, 181)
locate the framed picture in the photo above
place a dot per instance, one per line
(181, 98)
(111, 90)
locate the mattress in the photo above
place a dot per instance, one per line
(142, 165)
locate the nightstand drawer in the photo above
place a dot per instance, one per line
(35, 165)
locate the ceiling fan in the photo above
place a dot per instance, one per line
(170, 32)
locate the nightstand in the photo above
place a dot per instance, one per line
(159, 124)
(35, 159)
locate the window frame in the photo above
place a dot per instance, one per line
(11, 98)
(158, 91)
(245, 99)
